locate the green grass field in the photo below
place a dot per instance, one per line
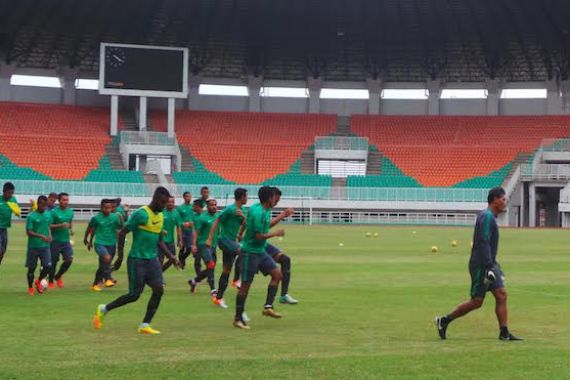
(366, 311)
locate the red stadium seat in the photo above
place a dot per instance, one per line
(63, 142)
(445, 150)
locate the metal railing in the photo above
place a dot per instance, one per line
(146, 138)
(341, 143)
(553, 172)
(555, 145)
(116, 189)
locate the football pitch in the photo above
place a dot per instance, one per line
(366, 311)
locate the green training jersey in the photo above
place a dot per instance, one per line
(258, 220)
(230, 222)
(147, 227)
(171, 221)
(7, 208)
(59, 216)
(186, 214)
(38, 223)
(121, 211)
(203, 226)
(106, 228)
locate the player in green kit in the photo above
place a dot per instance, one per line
(172, 223)
(230, 220)
(255, 258)
(103, 227)
(186, 212)
(143, 267)
(121, 209)
(8, 206)
(202, 227)
(39, 238)
(61, 230)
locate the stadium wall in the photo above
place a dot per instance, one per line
(554, 104)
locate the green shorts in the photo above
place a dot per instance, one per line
(478, 286)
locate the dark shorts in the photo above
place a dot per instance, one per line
(58, 248)
(207, 254)
(43, 254)
(253, 263)
(478, 286)
(3, 240)
(171, 247)
(187, 236)
(143, 272)
(230, 249)
(104, 250)
(272, 250)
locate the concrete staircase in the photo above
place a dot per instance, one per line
(521, 158)
(343, 126)
(114, 154)
(308, 161)
(186, 162)
(373, 165)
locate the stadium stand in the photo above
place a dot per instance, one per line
(60, 142)
(447, 150)
(238, 145)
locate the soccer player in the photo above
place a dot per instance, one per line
(278, 255)
(186, 212)
(230, 220)
(486, 274)
(143, 267)
(8, 206)
(52, 198)
(121, 210)
(103, 227)
(39, 238)
(204, 196)
(62, 230)
(255, 258)
(172, 222)
(202, 227)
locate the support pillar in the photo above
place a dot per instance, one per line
(194, 82)
(554, 104)
(314, 85)
(253, 87)
(494, 87)
(374, 92)
(67, 77)
(114, 115)
(171, 108)
(142, 113)
(434, 88)
(6, 72)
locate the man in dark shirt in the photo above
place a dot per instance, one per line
(486, 274)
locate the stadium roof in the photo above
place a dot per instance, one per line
(397, 40)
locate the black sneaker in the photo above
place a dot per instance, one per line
(192, 284)
(182, 261)
(441, 327)
(509, 336)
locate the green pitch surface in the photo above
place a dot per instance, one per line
(366, 311)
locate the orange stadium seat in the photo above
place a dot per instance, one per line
(244, 147)
(62, 142)
(445, 150)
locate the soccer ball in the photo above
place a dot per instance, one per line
(375, 234)
(280, 238)
(341, 244)
(434, 249)
(72, 242)
(368, 234)
(44, 283)
(454, 243)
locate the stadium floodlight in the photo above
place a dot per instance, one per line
(216, 89)
(284, 92)
(524, 93)
(87, 84)
(405, 93)
(35, 81)
(464, 93)
(343, 93)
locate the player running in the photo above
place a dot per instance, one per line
(186, 212)
(230, 221)
(172, 222)
(258, 221)
(62, 230)
(202, 227)
(280, 258)
(143, 267)
(39, 239)
(8, 206)
(103, 227)
(486, 274)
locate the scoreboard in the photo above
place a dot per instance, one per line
(138, 70)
